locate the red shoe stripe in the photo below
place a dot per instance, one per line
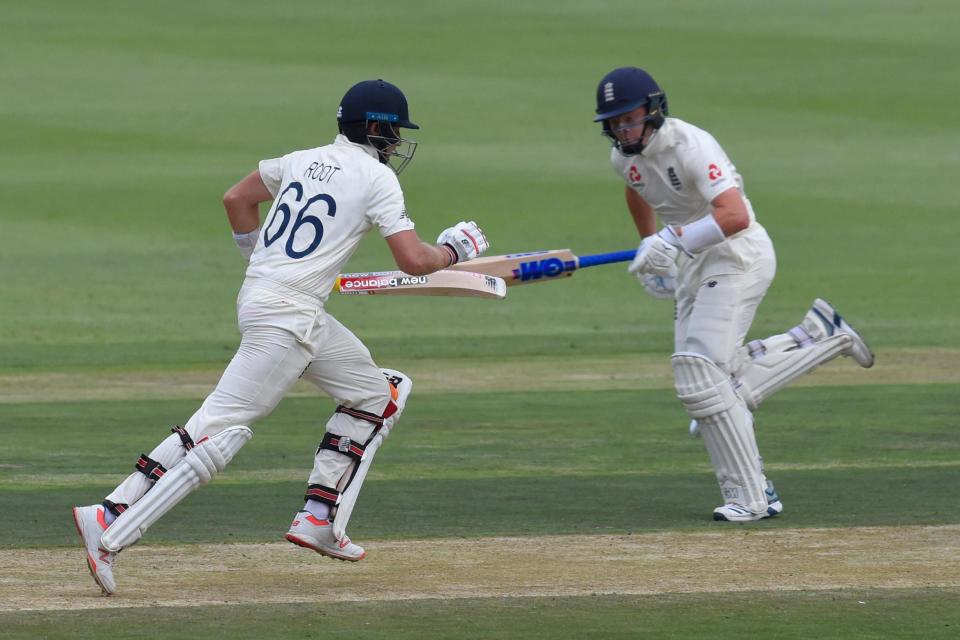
(100, 518)
(314, 520)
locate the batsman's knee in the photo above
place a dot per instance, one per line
(703, 387)
(400, 388)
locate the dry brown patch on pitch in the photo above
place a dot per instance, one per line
(654, 563)
(537, 373)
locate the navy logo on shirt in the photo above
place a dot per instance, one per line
(674, 180)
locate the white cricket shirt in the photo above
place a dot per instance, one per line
(325, 200)
(680, 172)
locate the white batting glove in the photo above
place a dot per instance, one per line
(660, 287)
(656, 256)
(465, 240)
(246, 242)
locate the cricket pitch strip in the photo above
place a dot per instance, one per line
(649, 563)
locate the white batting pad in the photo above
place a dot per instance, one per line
(760, 378)
(726, 426)
(168, 453)
(197, 468)
(348, 498)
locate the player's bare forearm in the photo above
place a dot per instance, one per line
(730, 211)
(415, 256)
(642, 213)
(242, 200)
(243, 217)
(432, 258)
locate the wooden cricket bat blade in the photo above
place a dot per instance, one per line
(465, 284)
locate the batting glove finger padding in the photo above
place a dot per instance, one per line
(466, 240)
(655, 255)
(661, 287)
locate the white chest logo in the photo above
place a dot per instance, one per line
(608, 92)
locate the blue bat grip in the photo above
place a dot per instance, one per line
(606, 258)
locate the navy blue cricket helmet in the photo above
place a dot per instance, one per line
(381, 102)
(623, 90)
(375, 100)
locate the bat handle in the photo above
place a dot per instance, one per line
(606, 258)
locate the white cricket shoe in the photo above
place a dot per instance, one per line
(91, 525)
(774, 506)
(834, 323)
(313, 533)
(731, 512)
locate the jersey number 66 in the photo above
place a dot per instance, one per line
(274, 232)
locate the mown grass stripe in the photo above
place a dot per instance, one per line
(26, 482)
(476, 375)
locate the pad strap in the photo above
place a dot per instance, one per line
(150, 468)
(185, 438)
(801, 336)
(363, 415)
(342, 444)
(757, 349)
(116, 508)
(323, 494)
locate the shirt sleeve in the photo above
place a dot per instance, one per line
(709, 167)
(386, 209)
(271, 172)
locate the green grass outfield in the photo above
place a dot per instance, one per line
(122, 124)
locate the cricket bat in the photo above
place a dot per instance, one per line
(465, 284)
(539, 266)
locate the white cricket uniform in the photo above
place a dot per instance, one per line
(718, 291)
(326, 200)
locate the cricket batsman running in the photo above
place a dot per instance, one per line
(325, 200)
(717, 262)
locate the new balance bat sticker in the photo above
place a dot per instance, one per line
(540, 266)
(441, 283)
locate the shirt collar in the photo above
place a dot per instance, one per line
(662, 139)
(344, 140)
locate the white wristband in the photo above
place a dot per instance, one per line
(701, 234)
(246, 242)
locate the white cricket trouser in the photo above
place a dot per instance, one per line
(285, 336)
(718, 293)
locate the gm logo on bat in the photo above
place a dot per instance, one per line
(546, 268)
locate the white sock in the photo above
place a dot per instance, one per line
(317, 509)
(108, 516)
